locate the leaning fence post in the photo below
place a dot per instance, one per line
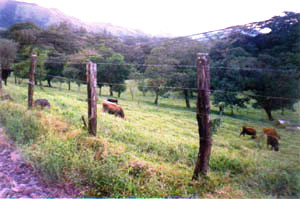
(203, 111)
(91, 71)
(31, 81)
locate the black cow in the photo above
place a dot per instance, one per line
(112, 100)
(5, 74)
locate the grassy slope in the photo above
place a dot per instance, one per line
(152, 153)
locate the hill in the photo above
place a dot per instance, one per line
(153, 152)
(12, 12)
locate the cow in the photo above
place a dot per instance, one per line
(273, 141)
(6, 74)
(249, 131)
(112, 108)
(271, 132)
(112, 100)
(43, 103)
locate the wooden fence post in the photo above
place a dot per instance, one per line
(203, 111)
(31, 81)
(91, 71)
(0, 76)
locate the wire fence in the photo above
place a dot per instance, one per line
(246, 114)
(61, 78)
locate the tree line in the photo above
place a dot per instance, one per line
(250, 64)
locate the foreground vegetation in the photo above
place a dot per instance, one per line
(152, 153)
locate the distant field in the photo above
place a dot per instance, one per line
(152, 153)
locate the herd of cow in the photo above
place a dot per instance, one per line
(272, 136)
(111, 106)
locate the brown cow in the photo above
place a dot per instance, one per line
(249, 131)
(273, 141)
(271, 132)
(112, 108)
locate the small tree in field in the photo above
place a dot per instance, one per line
(157, 74)
(119, 89)
(156, 80)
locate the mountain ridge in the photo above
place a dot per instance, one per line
(12, 12)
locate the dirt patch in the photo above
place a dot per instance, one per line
(18, 179)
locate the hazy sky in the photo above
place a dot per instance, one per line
(177, 17)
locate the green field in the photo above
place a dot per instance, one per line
(152, 152)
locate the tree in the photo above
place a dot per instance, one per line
(8, 50)
(54, 67)
(267, 64)
(226, 78)
(112, 70)
(120, 88)
(75, 68)
(159, 69)
(62, 37)
(272, 90)
(40, 71)
(157, 80)
(24, 33)
(71, 72)
(181, 54)
(142, 85)
(136, 82)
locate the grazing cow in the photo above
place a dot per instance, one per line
(43, 103)
(273, 141)
(249, 131)
(271, 132)
(112, 100)
(112, 108)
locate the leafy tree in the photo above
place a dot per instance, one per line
(226, 79)
(8, 50)
(138, 81)
(157, 80)
(62, 37)
(120, 88)
(159, 70)
(75, 68)
(24, 33)
(40, 70)
(54, 67)
(112, 69)
(72, 73)
(180, 57)
(142, 85)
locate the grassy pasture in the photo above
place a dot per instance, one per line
(152, 153)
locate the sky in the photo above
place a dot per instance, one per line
(174, 17)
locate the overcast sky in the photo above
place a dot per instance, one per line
(176, 17)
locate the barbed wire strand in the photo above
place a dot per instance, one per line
(265, 69)
(168, 87)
